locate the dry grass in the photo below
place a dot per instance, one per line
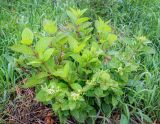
(24, 109)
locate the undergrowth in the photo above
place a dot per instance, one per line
(131, 20)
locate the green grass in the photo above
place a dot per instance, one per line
(130, 18)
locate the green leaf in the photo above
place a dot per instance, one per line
(56, 106)
(35, 80)
(72, 16)
(43, 96)
(27, 37)
(67, 73)
(50, 64)
(111, 38)
(79, 48)
(76, 57)
(67, 69)
(72, 105)
(34, 63)
(88, 30)
(82, 20)
(94, 60)
(82, 11)
(77, 87)
(79, 115)
(50, 26)
(73, 43)
(59, 73)
(77, 12)
(65, 105)
(114, 101)
(90, 93)
(99, 92)
(42, 44)
(104, 85)
(124, 119)
(22, 49)
(47, 54)
(85, 25)
(102, 27)
(61, 38)
(106, 109)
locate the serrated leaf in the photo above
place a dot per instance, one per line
(22, 49)
(27, 37)
(50, 26)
